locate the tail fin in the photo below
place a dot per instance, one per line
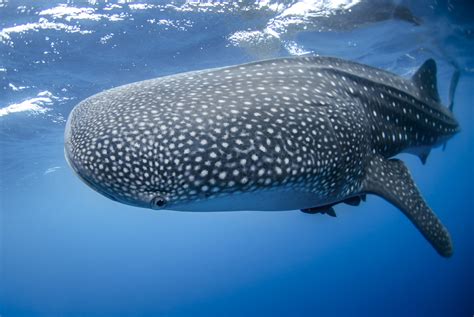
(426, 82)
(452, 90)
(391, 180)
(452, 87)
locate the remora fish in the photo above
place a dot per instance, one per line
(291, 133)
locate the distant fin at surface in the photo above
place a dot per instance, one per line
(391, 180)
(425, 80)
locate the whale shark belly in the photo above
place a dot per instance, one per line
(261, 200)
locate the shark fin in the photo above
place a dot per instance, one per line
(452, 91)
(329, 210)
(422, 152)
(423, 155)
(391, 180)
(425, 80)
(452, 87)
(353, 201)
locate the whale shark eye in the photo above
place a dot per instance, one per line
(158, 202)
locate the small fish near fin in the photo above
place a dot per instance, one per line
(328, 210)
(391, 180)
(425, 80)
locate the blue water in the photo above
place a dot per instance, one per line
(68, 251)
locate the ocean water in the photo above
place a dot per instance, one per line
(67, 251)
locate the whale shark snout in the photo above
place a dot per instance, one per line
(106, 164)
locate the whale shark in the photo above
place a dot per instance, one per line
(296, 133)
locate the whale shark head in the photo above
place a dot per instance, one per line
(133, 150)
(114, 156)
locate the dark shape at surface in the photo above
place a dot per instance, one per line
(403, 13)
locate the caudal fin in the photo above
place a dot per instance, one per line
(452, 87)
(391, 180)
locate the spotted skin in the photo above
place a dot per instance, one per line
(289, 133)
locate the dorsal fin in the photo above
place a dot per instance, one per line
(425, 80)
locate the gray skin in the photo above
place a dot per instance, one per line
(291, 133)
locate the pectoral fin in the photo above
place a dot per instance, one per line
(391, 180)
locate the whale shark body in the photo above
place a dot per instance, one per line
(300, 133)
